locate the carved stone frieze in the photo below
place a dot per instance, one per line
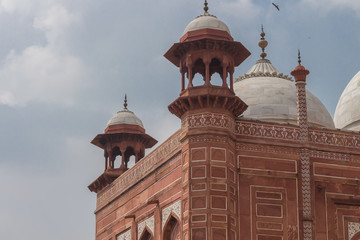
(267, 131)
(174, 208)
(330, 155)
(210, 138)
(353, 228)
(342, 139)
(149, 223)
(266, 149)
(208, 120)
(125, 235)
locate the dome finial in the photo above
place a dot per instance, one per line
(299, 57)
(125, 102)
(206, 6)
(262, 43)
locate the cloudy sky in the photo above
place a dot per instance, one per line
(65, 66)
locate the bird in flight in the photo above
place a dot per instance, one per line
(277, 6)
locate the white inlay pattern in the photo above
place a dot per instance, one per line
(173, 208)
(353, 228)
(125, 235)
(146, 223)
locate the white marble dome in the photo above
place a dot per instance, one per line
(347, 113)
(206, 21)
(271, 96)
(125, 117)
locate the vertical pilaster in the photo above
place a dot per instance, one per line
(300, 74)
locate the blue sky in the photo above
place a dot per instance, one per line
(65, 66)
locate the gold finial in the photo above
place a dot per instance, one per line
(299, 57)
(262, 43)
(206, 6)
(125, 103)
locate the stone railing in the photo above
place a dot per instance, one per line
(267, 130)
(140, 169)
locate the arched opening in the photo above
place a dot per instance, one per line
(128, 153)
(216, 72)
(146, 235)
(216, 79)
(198, 80)
(172, 229)
(131, 162)
(115, 161)
(198, 72)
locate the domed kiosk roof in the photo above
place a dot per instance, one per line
(206, 21)
(271, 96)
(125, 117)
(124, 121)
(347, 113)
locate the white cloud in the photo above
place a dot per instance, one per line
(48, 73)
(329, 5)
(40, 74)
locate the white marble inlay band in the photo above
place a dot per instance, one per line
(173, 208)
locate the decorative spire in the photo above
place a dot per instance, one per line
(262, 43)
(299, 57)
(125, 103)
(206, 6)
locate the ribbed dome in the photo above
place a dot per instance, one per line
(206, 21)
(347, 113)
(125, 117)
(271, 96)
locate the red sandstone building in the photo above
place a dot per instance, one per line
(257, 157)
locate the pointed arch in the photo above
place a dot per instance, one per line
(198, 73)
(115, 157)
(146, 234)
(172, 228)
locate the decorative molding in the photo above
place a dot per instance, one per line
(211, 138)
(149, 222)
(173, 208)
(353, 228)
(141, 169)
(305, 183)
(267, 149)
(266, 74)
(267, 130)
(125, 235)
(208, 120)
(307, 230)
(342, 139)
(331, 156)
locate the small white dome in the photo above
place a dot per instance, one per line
(271, 96)
(125, 117)
(347, 113)
(206, 21)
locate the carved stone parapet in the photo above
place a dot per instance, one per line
(264, 130)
